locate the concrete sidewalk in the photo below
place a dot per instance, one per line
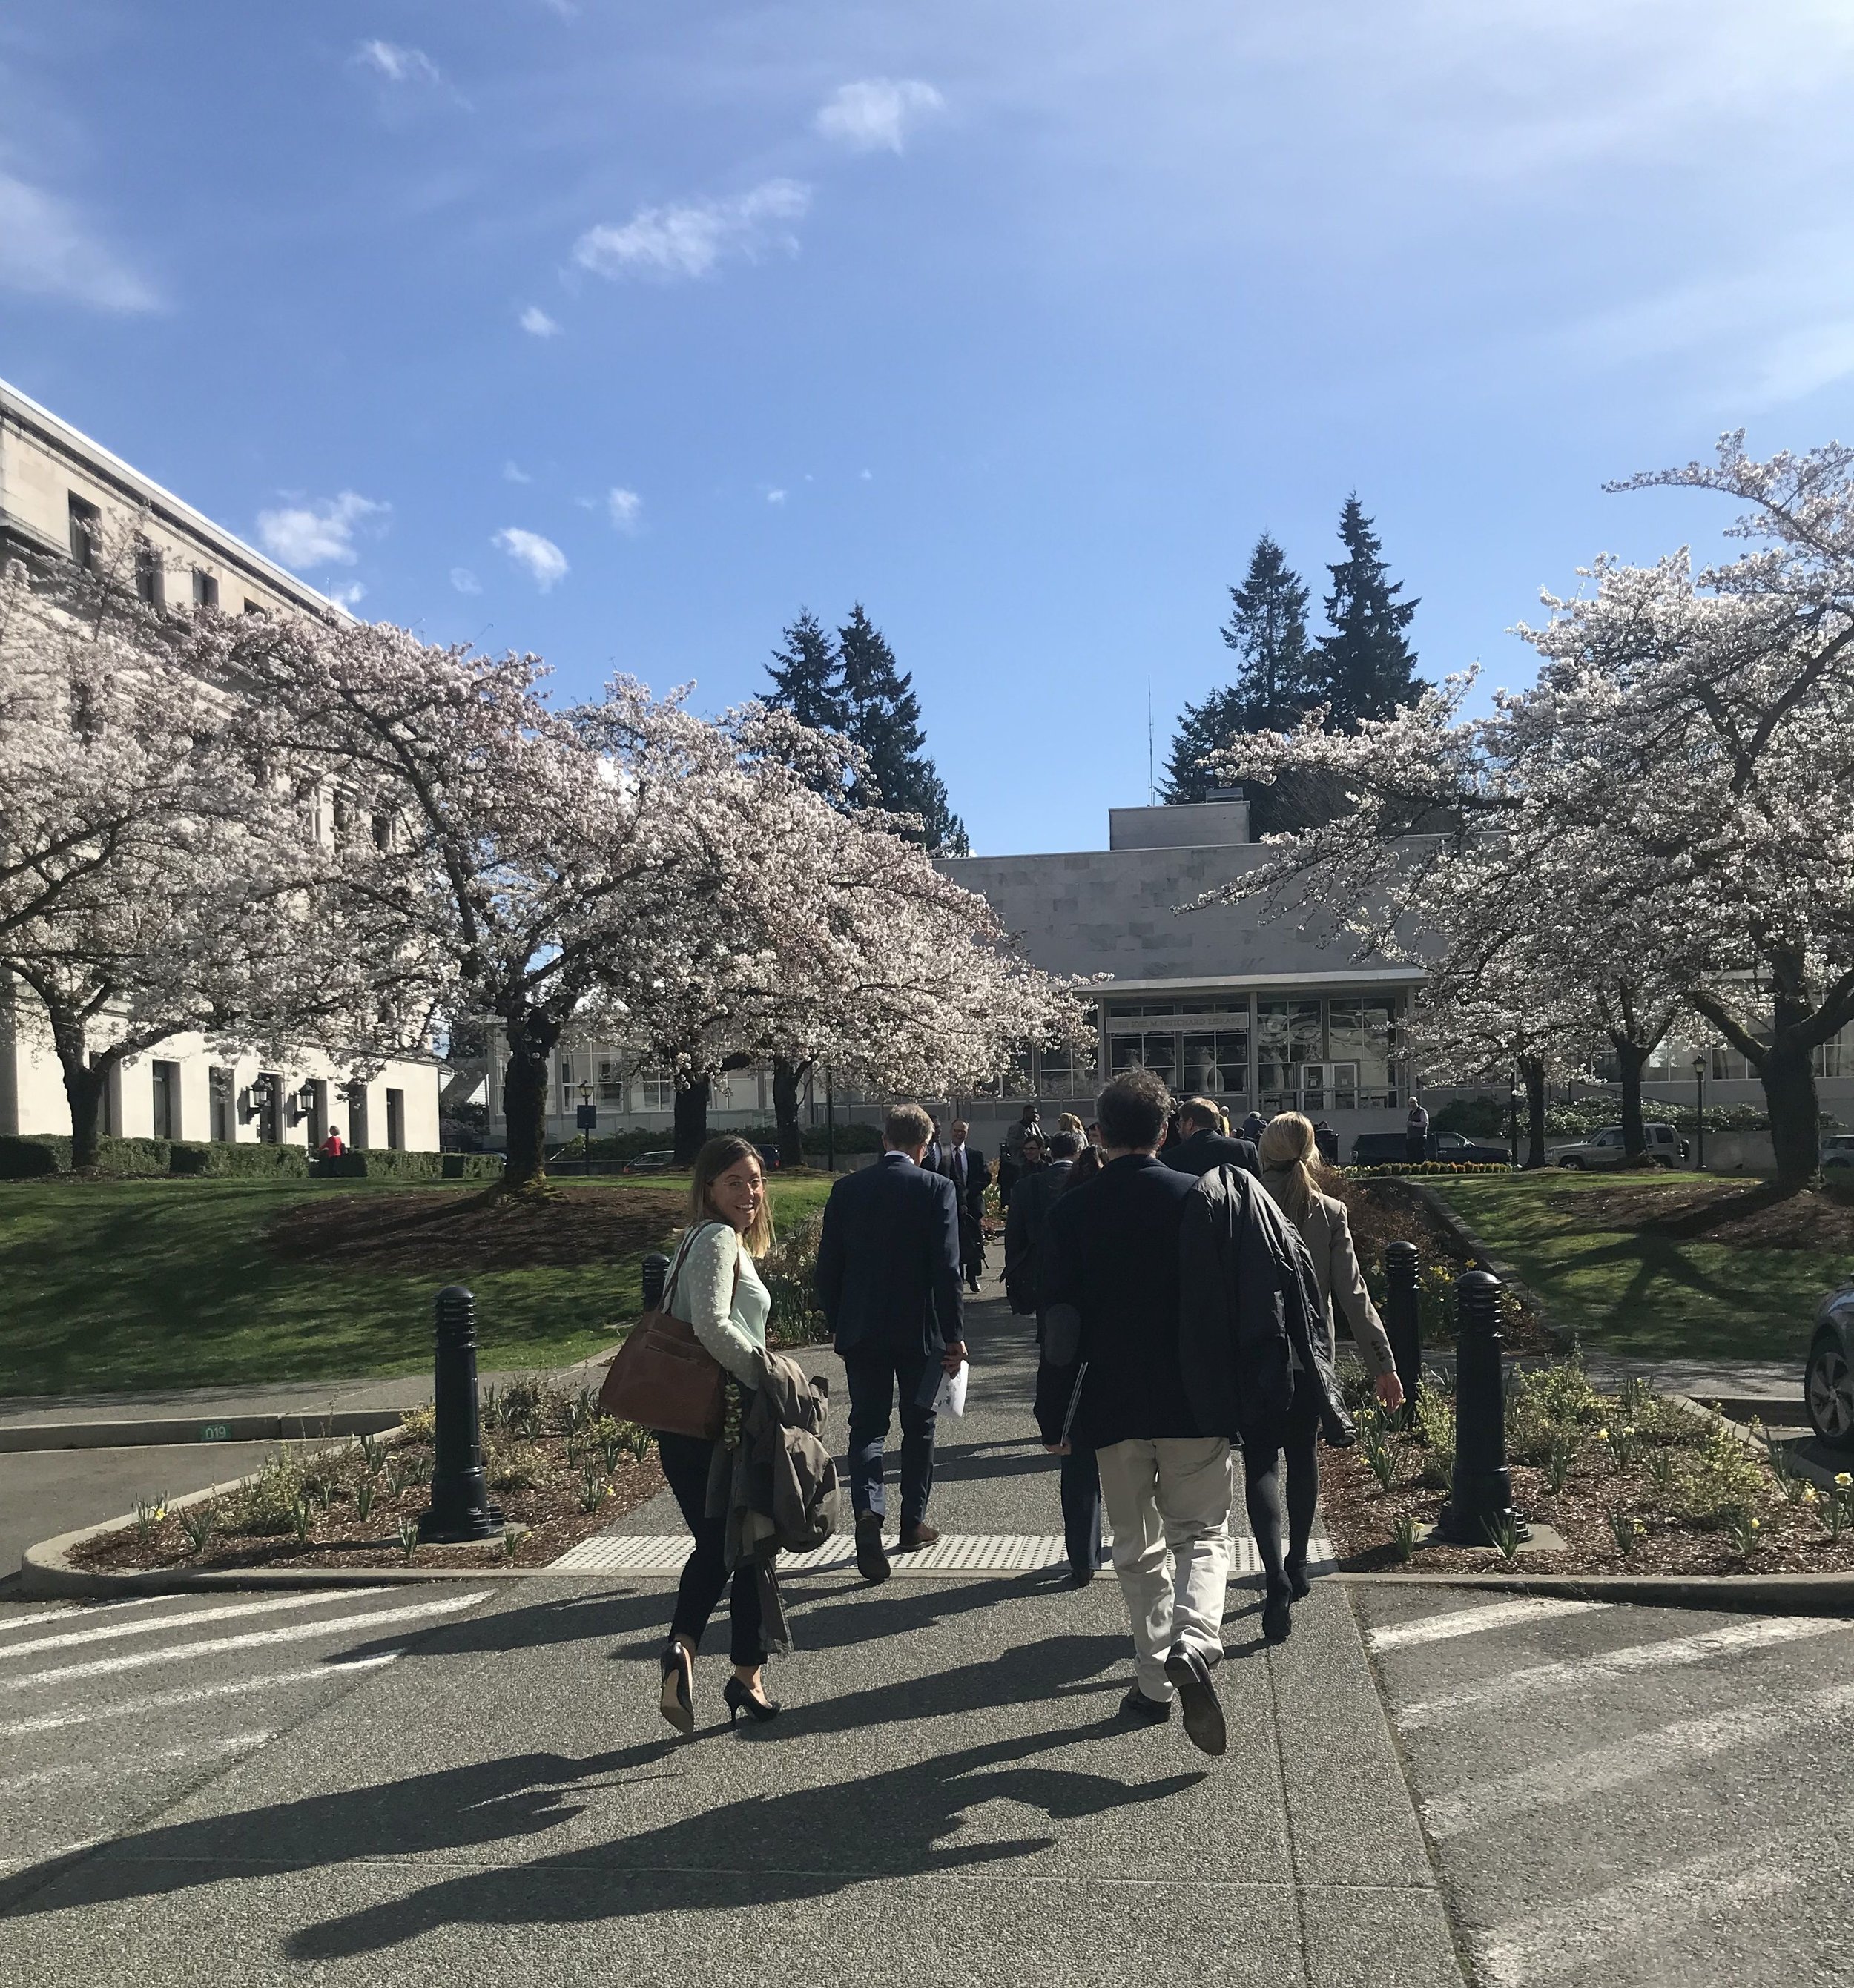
(948, 1798)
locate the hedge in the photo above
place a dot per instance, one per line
(50, 1153)
(223, 1161)
(1431, 1167)
(383, 1163)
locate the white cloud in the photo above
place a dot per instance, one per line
(776, 496)
(350, 596)
(537, 324)
(876, 115)
(624, 508)
(313, 534)
(866, 475)
(47, 251)
(396, 64)
(512, 472)
(465, 580)
(542, 557)
(689, 238)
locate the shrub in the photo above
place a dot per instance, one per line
(1721, 1478)
(1482, 1117)
(790, 1273)
(28, 1159)
(220, 1159)
(1435, 1418)
(857, 1136)
(31, 1158)
(269, 1504)
(1427, 1167)
(515, 1468)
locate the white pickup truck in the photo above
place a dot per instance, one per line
(1665, 1148)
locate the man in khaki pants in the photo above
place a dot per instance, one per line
(1111, 1379)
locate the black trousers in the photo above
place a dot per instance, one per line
(685, 1461)
(1293, 1437)
(1081, 1510)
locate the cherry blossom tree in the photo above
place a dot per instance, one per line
(152, 874)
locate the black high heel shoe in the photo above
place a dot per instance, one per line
(676, 1705)
(739, 1698)
(1277, 1622)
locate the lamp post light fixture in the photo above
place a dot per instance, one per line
(1699, 1123)
(589, 1119)
(1514, 1100)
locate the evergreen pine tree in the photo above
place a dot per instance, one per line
(1365, 668)
(884, 718)
(1267, 629)
(1202, 729)
(807, 676)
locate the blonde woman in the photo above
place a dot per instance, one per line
(1289, 1159)
(718, 1292)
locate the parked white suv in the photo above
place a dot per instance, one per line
(1663, 1145)
(1838, 1150)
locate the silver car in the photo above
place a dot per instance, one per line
(1828, 1383)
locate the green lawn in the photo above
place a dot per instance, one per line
(156, 1283)
(1647, 1296)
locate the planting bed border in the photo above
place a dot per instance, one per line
(1563, 1338)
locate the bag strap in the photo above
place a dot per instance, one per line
(682, 1249)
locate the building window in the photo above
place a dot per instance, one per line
(166, 1100)
(1148, 1050)
(1216, 1062)
(1057, 1074)
(205, 590)
(219, 1098)
(382, 830)
(1287, 1035)
(86, 532)
(611, 1082)
(358, 1134)
(343, 815)
(656, 1088)
(267, 1095)
(395, 1121)
(149, 589)
(1362, 1035)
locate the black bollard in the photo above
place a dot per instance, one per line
(461, 1507)
(1480, 1497)
(1403, 1315)
(656, 1270)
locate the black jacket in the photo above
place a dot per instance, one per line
(1249, 1305)
(1109, 1254)
(888, 1260)
(1205, 1150)
(977, 1179)
(1030, 1201)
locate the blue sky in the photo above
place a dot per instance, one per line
(618, 330)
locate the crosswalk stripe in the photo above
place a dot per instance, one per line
(1624, 1762)
(115, 1768)
(149, 1625)
(253, 1639)
(1587, 1932)
(77, 1612)
(1472, 1621)
(173, 1701)
(954, 1553)
(1571, 1674)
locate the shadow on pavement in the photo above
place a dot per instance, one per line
(794, 1844)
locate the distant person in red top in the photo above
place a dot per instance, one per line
(331, 1148)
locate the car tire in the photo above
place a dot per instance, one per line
(1572, 1162)
(1827, 1392)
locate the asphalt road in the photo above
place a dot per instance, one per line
(1628, 1796)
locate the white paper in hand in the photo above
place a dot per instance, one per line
(951, 1399)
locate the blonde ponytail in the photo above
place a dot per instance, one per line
(1287, 1146)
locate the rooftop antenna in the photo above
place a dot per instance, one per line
(1152, 791)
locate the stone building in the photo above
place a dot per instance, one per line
(59, 493)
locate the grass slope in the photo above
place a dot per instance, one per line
(116, 1285)
(1640, 1290)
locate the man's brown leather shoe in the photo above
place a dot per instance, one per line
(914, 1537)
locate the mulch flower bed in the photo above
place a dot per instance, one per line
(558, 1470)
(1635, 1483)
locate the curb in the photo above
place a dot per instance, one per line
(1789, 1593)
(167, 1430)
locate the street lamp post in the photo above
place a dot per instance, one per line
(829, 1122)
(1699, 1124)
(1513, 1101)
(589, 1120)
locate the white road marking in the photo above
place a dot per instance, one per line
(1473, 1621)
(1626, 1761)
(171, 1701)
(255, 1639)
(115, 1769)
(78, 1611)
(1574, 1673)
(149, 1625)
(1587, 1932)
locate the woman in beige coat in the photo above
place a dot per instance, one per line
(1290, 1157)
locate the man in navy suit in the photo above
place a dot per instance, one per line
(1203, 1146)
(889, 1284)
(964, 1166)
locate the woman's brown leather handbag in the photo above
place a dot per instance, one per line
(663, 1376)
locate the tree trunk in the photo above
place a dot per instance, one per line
(83, 1086)
(1532, 1070)
(1789, 1094)
(531, 1038)
(788, 1077)
(691, 1119)
(1631, 1060)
